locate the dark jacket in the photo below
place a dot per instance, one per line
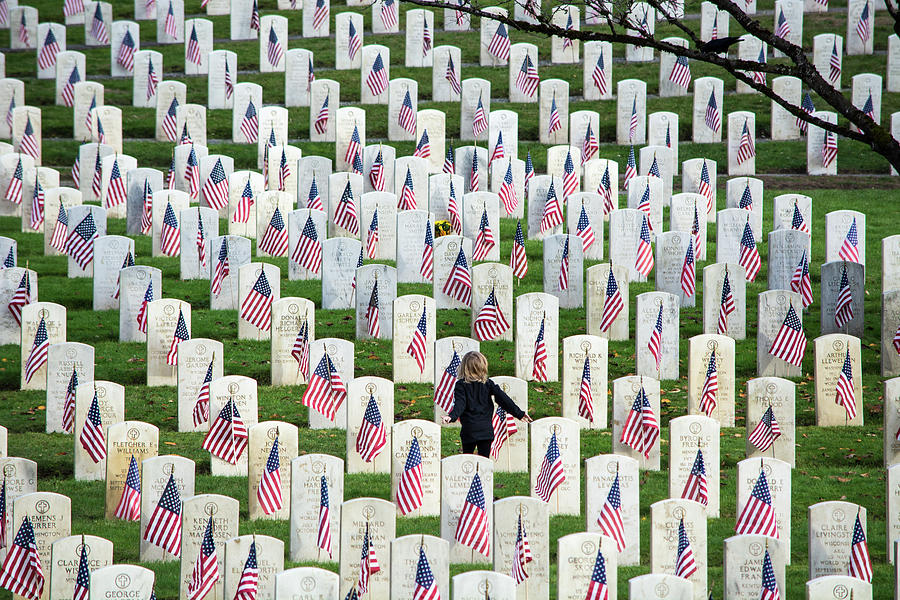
(474, 407)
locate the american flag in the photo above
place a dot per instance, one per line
(451, 76)
(504, 427)
(834, 63)
(115, 193)
(605, 191)
(644, 255)
(353, 146)
(704, 187)
(850, 246)
(459, 283)
(222, 269)
(633, 124)
(227, 436)
(426, 587)
(552, 215)
(68, 416)
(474, 180)
(254, 16)
(359, 263)
(326, 390)
(407, 117)
(22, 572)
(345, 215)
(757, 517)
(72, 8)
(539, 360)
(180, 334)
(357, 166)
(484, 239)
(641, 429)
(726, 306)
(554, 123)
(407, 194)
(275, 238)
(563, 279)
(712, 117)
(193, 48)
(269, 491)
(354, 42)
(142, 311)
(20, 298)
(610, 519)
(688, 271)
(170, 175)
(507, 192)
(630, 168)
(790, 342)
(308, 251)
(797, 221)
(80, 243)
(320, 13)
(518, 259)
(585, 395)
(860, 563)
(749, 255)
(377, 80)
(843, 310)
(250, 124)
(766, 431)
(829, 148)
(443, 391)
(311, 74)
(170, 25)
(426, 37)
(164, 525)
(806, 106)
(681, 73)
(300, 350)
(373, 324)
(4, 520)
(529, 170)
(67, 94)
(599, 75)
(10, 261)
(206, 568)
(200, 414)
(37, 205)
(49, 50)
(127, 262)
(597, 588)
(98, 27)
(499, 46)
(527, 80)
(248, 585)
(82, 588)
(490, 323)
(472, 528)
(201, 240)
(417, 348)
(453, 211)
(257, 305)
(368, 563)
(613, 304)
(409, 490)
(321, 123)
(14, 189)
(862, 25)
(499, 151)
(760, 76)
(570, 179)
(654, 345)
(96, 183)
(170, 233)
(710, 391)
(323, 535)
(746, 201)
(769, 589)
(246, 201)
(782, 27)
(521, 553)
(479, 119)
(426, 268)
(152, 80)
(746, 150)
(274, 50)
(169, 122)
(129, 507)
(423, 148)
(896, 340)
(800, 281)
(229, 83)
(845, 394)
(696, 488)
(389, 14)
(684, 557)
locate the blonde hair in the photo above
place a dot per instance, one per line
(474, 367)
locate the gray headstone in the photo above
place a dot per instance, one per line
(380, 516)
(665, 517)
(65, 556)
(318, 584)
(835, 587)
(533, 310)
(647, 311)
(195, 514)
(536, 526)
(288, 316)
(700, 349)
(743, 564)
(625, 390)
(269, 558)
(115, 579)
(162, 319)
(830, 533)
(575, 349)
(408, 310)
(600, 473)
(830, 354)
(772, 309)
(457, 474)
(597, 282)
(763, 392)
(786, 248)
(429, 438)
(111, 400)
(238, 255)
(133, 283)
(688, 434)
(124, 440)
(778, 478)
(155, 473)
(306, 476)
(671, 252)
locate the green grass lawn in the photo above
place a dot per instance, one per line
(832, 463)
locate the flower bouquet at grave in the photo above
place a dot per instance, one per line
(442, 228)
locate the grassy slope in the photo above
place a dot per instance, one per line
(833, 463)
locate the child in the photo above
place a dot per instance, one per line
(474, 398)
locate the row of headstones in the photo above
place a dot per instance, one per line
(828, 554)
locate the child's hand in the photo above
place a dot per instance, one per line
(527, 418)
(445, 419)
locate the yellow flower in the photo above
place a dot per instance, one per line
(442, 228)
